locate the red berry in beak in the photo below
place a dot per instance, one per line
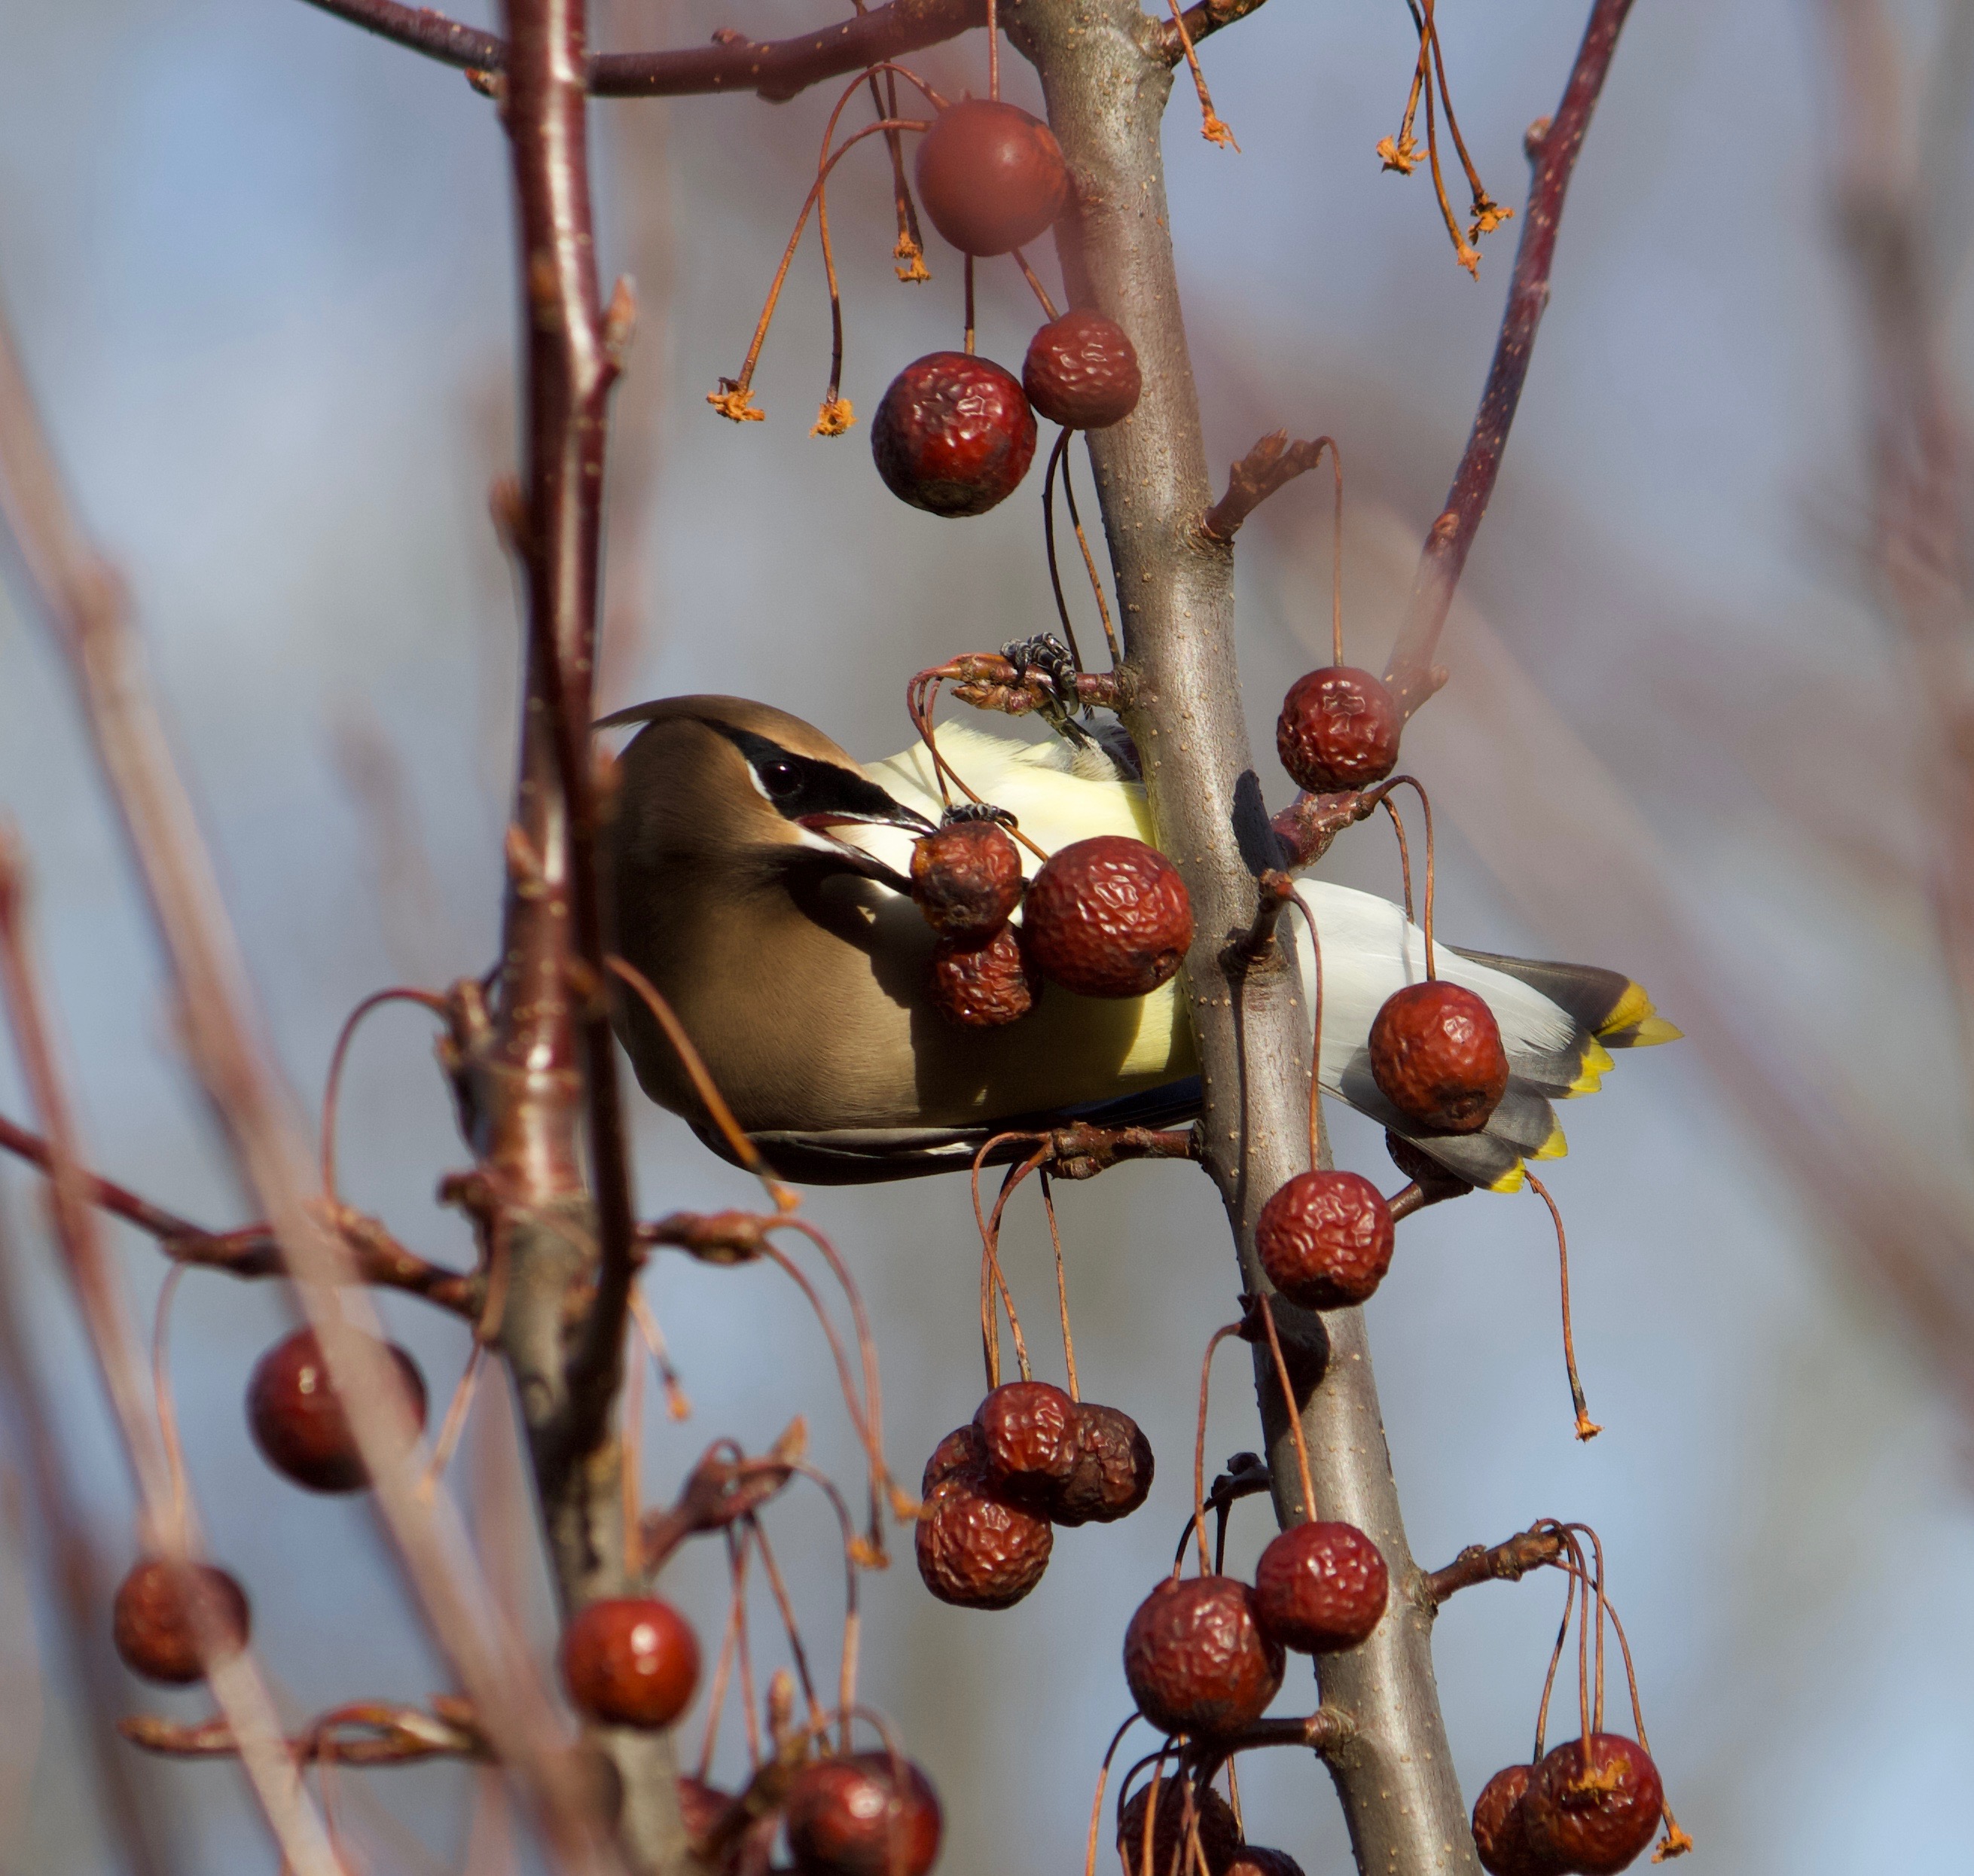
(1339, 730)
(954, 435)
(1108, 917)
(991, 176)
(1320, 1587)
(630, 1661)
(966, 878)
(1436, 1056)
(1082, 371)
(1324, 1239)
(1196, 1659)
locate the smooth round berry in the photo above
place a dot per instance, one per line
(966, 878)
(1082, 371)
(1026, 1439)
(1339, 730)
(1320, 1587)
(630, 1661)
(1196, 1659)
(1108, 917)
(1112, 1476)
(1498, 1832)
(954, 435)
(1211, 1815)
(974, 1549)
(983, 987)
(1593, 1814)
(1436, 1056)
(1324, 1239)
(152, 1619)
(298, 1422)
(855, 1815)
(991, 176)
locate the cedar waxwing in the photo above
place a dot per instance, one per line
(758, 878)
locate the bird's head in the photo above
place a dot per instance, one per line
(739, 783)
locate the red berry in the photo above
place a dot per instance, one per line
(298, 1422)
(974, 1549)
(1254, 1860)
(1211, 1815)
(1324, 1239)
(1082, 371)
(1108, 917)
(1025, 1434)
(1113, 1473)
(966, 878)
(1499, 1834)
(849, 1817)
(630, 1661)
(983, 987)
(961, 1448)
(1196, 1659)
(151, 1620)
(1339, 730)
(954, 435)
(1593, 1816)
(701, 1805)
(1436, 1056)
(991, 176)
(1320, 1587)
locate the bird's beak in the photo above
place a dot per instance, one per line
(861, 855)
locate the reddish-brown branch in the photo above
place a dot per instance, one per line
(252, 1250)
(1507, 1562)
(367, 1733)
(1273, 462)
(1553, 148)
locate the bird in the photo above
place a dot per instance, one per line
(755, 876)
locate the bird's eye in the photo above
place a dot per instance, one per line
(778, 778)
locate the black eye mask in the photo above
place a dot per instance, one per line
(815, 794)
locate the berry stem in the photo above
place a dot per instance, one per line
(791, 1628)
(454, 1425)
(1034, 282)
(1089, 567)
(853, 1620)
(1210, 127)
(631, 1473)
(993, 51)
(168, 1417)
(968, 347)
(1404, 850)
(333, 1084)
(1061, 1284)
(1586, 1427)
(1096, 1804)
(1056, 458)
(1199, 1448)
(654, 1339)
(1315, 1075)
(1294, 1409)
(716, 1699)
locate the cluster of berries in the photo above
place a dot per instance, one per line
(1167, 1826)
(955, 432)
(855, 1814)
(1030, 1458)
(1104, 917)
(1587, 1808)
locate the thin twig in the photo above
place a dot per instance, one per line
(1411, 672)
(1509, 1561)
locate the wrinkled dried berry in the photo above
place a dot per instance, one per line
(1082, 371)
(1324, 1239)
(1113, 1473)
(1498, 1832)
(966, 878)
(1593, 1817)
(1195, 1657)
(630, 1661)
(974, 1549)
(954, 435)
(1108, 917)
(991, 176)
(961, 1448)
(854, 1816)
(1339, 730)
(1320, 1587)
(1219, 1834)
(1025, 1429)
(1437, 1180)
(298, 1422)
(152, 1619)
(983, 987)
(1436, 1056)
(1253, 1860)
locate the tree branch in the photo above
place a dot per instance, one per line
(1201, 20)
(1553, 145)
(776, 69)
(1107, 90)
(1507, 1562)
(252, 1250)
(366, 1733)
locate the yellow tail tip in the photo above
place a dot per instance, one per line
(1554, 1147)
(1511, 1180)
